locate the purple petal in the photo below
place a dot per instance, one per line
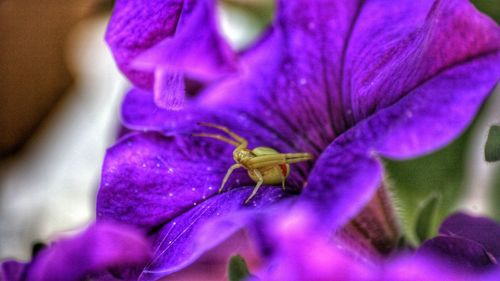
(482, 230)
(13, 270)
(197, 48)
(343, 180)
(100, 247)
(148, 179)
(169, 90)
(395, 47)
(459, 252)
(185, 238)
(136, 26)
(347, 174)
(432, 115)
(423, 267)
(160, 30)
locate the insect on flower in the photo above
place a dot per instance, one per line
(264, 164)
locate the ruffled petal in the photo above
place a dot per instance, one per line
(136, 26)
(168, 32)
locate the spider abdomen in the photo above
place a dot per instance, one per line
(271, 175)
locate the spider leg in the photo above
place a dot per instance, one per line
(276, 159)
(229, 172)
(257, 186)
(238, 138)
(282, 181)
(218, 137)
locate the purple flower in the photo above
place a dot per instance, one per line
(469, 242)
(301, 254)
(101, 247)
(348, 82)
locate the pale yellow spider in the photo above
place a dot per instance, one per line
(264, 164)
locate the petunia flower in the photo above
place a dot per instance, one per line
(302, 254)
(469, 242)
(101, 247)
(346, 81)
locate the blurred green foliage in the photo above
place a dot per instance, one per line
(492, 149)
(489, 7)
(237, 269)
(414, 181)
(426, 224)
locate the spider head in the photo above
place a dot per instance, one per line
(241, 154)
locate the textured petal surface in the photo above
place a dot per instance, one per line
(100, 247)
(185, 238)
(148, 179)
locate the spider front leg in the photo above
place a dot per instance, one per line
(229, 172)
(257, 186)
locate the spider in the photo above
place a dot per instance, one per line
(264, 164)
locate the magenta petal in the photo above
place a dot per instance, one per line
(100, 247)
(423, 267)
(185, 238)
(147, 179)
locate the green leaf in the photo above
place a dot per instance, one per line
(414, 181)
(237, 269)
(492, 149)
(426, 224)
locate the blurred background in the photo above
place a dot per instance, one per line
(59, 110)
